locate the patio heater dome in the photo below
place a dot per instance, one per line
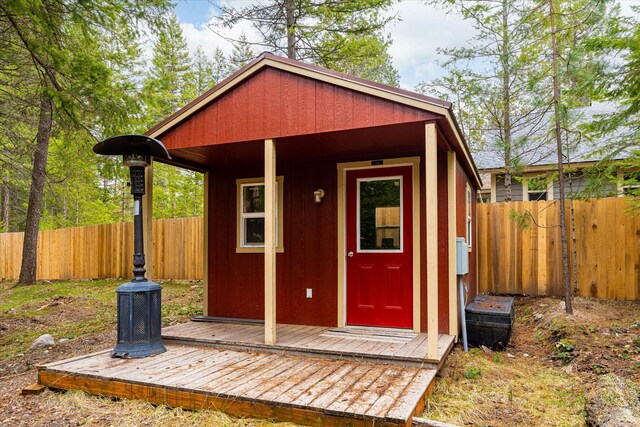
(139, 301)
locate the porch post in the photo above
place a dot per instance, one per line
(431, 189)
(147, 218)
(205, 246)
(494, 189)
(270, 188)
(453, 298)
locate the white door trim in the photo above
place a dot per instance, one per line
(414, 162)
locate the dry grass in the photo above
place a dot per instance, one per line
(99, 411)
(542, 385)
(538, 390)
(84, 312)
(507, 392)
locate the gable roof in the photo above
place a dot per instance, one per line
(540, 155)
(397, 95)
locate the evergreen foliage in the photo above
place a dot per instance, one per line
(346, 36)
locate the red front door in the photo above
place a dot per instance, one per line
(380, 247)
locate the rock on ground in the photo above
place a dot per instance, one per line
(615, 402)
(45, 340)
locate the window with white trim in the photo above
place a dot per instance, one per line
(251, 219)
(538, 188)
(630, 184)
(469, 204)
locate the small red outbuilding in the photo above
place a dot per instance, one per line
(329, 200)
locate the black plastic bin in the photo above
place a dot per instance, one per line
(489, 321)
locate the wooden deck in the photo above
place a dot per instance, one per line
(374, 345)
(303, 390)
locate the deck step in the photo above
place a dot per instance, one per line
(373, 345)
(303, 352)
(301, 390)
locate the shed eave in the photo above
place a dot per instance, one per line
(400, 96)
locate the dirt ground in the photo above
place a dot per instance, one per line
(83, 313)
(541, 379)
(550, 365)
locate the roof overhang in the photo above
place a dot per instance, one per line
(401, 96)
(553, 166)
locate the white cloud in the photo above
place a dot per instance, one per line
(416, 37)
(202, 35)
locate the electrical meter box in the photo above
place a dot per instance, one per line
(462, 256)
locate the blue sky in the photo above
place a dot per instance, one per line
(416, 36)
(194, 11)
(420, 30)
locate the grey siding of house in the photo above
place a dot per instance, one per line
(516, 190)
(579, 184)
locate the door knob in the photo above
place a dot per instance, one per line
(350, 254)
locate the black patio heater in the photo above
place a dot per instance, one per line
(139, 301)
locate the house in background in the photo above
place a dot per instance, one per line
(363, 186)
(537, 179)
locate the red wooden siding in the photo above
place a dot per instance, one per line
(236, 286)
(274, 103)
(461, 226)
(310, 242)
(443, 244)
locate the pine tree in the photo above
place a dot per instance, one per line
(498, 78)
(59, 49)
(242, 53)
(344, 35)
(573, 70)
(169, 83)
(221, 66)
(620, 84)
(204, 73)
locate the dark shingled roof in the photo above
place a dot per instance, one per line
(577, 150)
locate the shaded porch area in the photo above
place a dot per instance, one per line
(374, 345)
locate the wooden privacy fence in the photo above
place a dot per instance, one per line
(106, 251)
(529, 261)
(511, 260)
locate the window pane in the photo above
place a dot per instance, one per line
(253, 231)
(253, 198)
(380, 227)
(533, 196)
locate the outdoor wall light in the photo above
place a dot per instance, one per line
(318, 195)
(139, 301)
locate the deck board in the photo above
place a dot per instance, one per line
(348, 396)
(292, 379)
(299, 389)
(378, 345)
(325, 399)
(396, 386)
(303, 388)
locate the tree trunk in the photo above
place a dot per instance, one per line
(574, 252)
(124, 200)
(6, 202)
(196, 183)
(506, 99)
(558, 137)
(32, 226)
(291, 33)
